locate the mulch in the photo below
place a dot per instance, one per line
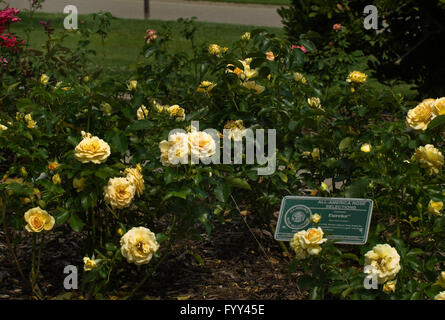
(233, 263)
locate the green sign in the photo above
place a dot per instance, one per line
(345, 220)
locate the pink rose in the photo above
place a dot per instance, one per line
(302, 48)
(336, 26)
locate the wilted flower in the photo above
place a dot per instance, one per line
(217, 50)
(245, 36)
(252, 85)
(132, 85)
(270, 56)
(236, 129)
(300, 78)
(176, 112)
(142, 112)
(390, 286)
(134, 175)
(150, 35)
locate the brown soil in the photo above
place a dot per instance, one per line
(236, 264)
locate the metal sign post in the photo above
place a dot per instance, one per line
(147, 9)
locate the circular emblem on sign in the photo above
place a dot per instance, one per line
(297, 217)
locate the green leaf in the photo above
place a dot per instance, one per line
(110, 246)
(76, 223)
(161, 237)
(140, 125)
(62, 216)
(358, 188)
(437, 121)
(105, 172)
(238, 183)
(222, 192)
(308, 45)
(119, 142)
(345, 143)
(178, 194)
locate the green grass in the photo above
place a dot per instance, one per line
(271, 2)
(126, 37)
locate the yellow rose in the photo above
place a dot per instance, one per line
(357, 77)
(384, 261)
(79, 184)
(300, 252)
(106, 108)
(435, 207)
(138, 245)
(142, 112)
(390, 286)
(245, 36)
(215, 49)
(89, 264)
(419, 117)
(429, 158)
(38, 219)
(300, 78)
(176, 111)
(366, 147)
(44, 79)
(56, 179)
(440, 296)
(23, 171)
(439, 107)
(92, 149)
(441, 280)
(201, 144)
(53, 165)
(314, 102)
(206, 86)
(311, 240)
(175, 150)
(324, 187)
(315, 218)
(132, 85)
(247, 73)
(135, 177)
(119, 192)
(3, 127)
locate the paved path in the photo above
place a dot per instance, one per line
(246, 14)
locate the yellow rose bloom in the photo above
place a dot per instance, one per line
(314, 102)
(132, 85)
(135, 177)
(142, 113)
(119, 192)
(106, 108)
(205, 87)
(357, 77)
(138, 245)
(270, 56)
(23, 171)
(92, 149)
(245, 36)
(311, 240)
(315, 218)
(89, 264)
(324, 187)
(298, 77)
(3, 127)
(56, 179)
(315, 154)
(390, 286)
(176, 150)
(419, 117)
(439, 107)
(435, 207)
(366, 147)
(38, 219)
(429, 158)
(176, 111)
(440, 296)
(202, 144)
(53, 165)
(384, 261)
(216, 50)
(44, 79)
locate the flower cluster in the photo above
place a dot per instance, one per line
(307, 243)
(236, 129)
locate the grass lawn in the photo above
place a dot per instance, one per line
(272, 2)
(126, 37)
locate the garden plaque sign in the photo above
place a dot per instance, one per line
(345, 220)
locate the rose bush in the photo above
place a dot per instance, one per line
(112, 158)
